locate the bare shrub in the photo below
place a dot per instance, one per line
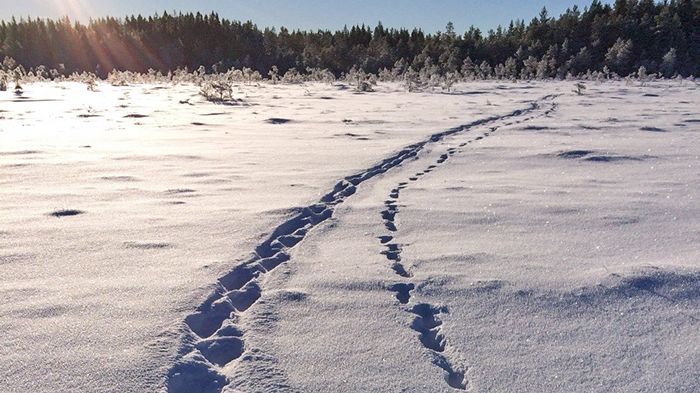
(216, 91)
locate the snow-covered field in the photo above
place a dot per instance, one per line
(506, 237)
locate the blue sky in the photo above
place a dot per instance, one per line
(309, 14)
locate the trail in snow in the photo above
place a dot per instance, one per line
(215, 340)
(427, 321)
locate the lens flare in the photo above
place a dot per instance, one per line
(74, 9)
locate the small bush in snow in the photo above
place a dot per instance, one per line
(292, 76)
(362, 81)
(450, 79)
(250, 76)
(365, 87)
(116, 78)
(274, 75)
(91, 84)
(320, 75)
(18, 89)
(642, 75)
(217, 91)
(412, 80)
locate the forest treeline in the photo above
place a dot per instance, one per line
(662, 37)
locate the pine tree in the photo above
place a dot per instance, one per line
(468, 68)
(619, 56)
(668, 63)
(529, 69)
(511, 68)
(580, 62)
(485, 70)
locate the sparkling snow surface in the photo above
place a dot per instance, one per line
(505, 237)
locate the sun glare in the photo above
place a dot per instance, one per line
(74, 9)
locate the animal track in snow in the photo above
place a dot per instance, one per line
(426, 321)
(403, 292)
(429, 327)
(214, 340)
